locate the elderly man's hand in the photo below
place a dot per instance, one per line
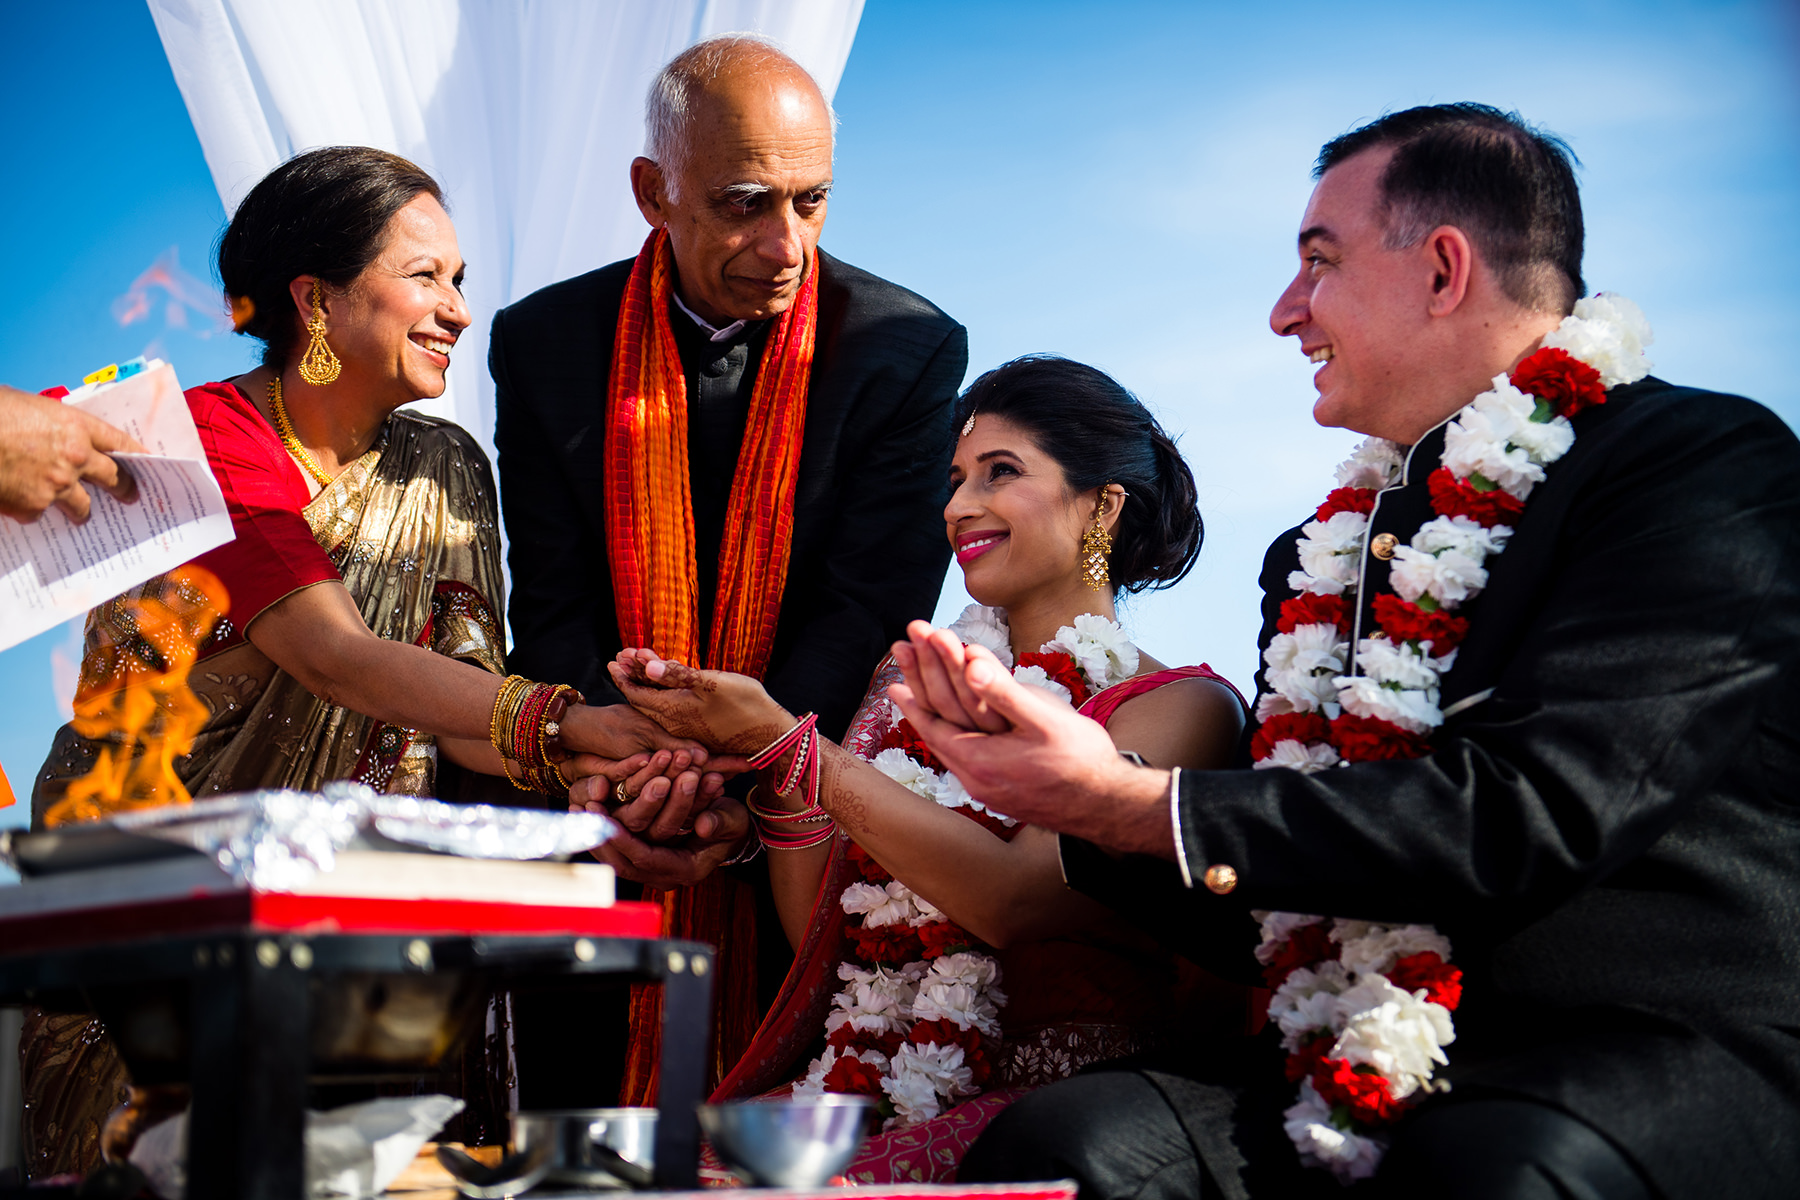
(719, 834)
(1022, 753)
(47, 449)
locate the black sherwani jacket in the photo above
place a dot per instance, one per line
(868, 551)
(1609, 829)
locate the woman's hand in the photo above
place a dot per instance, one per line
(724, 711)
(719, 834)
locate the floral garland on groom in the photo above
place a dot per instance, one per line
(1363, 1009)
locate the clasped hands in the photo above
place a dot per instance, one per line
(1022, 753)
(677, 823)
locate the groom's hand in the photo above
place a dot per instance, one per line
(1042, 763)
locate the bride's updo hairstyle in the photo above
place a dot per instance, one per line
(322, 213)
(1099, 433)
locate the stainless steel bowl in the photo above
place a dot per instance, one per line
(798, 1143)
(592, 1147)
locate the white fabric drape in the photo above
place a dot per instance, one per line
(529, 112)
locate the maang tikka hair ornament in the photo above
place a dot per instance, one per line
(1096, 544)
(318, 366)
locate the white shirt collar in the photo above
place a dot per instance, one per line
(713, 333)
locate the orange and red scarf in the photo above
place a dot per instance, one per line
(650, 545)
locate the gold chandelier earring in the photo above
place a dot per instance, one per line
(318, 366)
(1096, 545)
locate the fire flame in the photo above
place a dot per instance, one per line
(134, 699)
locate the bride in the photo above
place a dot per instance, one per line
(936, 946)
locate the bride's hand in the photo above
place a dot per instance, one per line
(716, 708)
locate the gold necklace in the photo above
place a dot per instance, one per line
(290, 440)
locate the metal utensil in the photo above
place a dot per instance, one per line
(516, 1173)
(592, 1147)
(798, 1143)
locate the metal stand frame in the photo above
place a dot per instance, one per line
(249, 1015)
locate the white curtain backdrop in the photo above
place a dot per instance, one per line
(527, 111)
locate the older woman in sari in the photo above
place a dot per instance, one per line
(350, 630)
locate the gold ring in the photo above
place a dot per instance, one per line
(619, 794)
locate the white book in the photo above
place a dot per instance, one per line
(54, 570)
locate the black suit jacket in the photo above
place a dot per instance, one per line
(1609, 830)
(868, 551)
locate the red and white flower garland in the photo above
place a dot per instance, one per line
(919, 1010)
(1363, 1014)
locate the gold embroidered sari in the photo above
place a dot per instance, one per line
(411, 527)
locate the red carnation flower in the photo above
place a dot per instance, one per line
(1346, 499)
(853, 1077)
(1308, 1057)
(1441, 981)
(944, 1032)
(1304, 728)
(1362, 1091)
(1404, 621)
(1453, 497)
(1370, 739)
(867, 867)
(1560, 380)
(905, 738)
(945, 937)
(1308, 946)
(1061, 668)
(890, 945)
(848, 1037)
(1313, 608)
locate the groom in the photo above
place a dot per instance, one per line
(1604, 822)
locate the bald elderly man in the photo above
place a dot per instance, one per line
(733, 448)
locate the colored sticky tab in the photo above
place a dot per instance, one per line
(105, 374)
(128, 369)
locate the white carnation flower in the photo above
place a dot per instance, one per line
(1397, 665)
(1609, 333)
(1035, 676)
(1465, 535)
(1305, 1001)
(1375, 463)
(929, 913)
(1377, 948)
(1306, 690)
(1546, 441)
(1415, 710)
(958, 1002)
(966, 966)
(876, 1001)
(913, 1088)
(1273, 704)
(1393, 1031)
(1309, 1126)
(1472, 443)
(943, 1065)
(1298, 756)
(891, 904)
(1308, 649)
(1330, 550)
(1449, 578)
(1099, 647)
(907, 772)
(983, 626)
(1278, 927)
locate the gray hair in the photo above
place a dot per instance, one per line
(669, 105)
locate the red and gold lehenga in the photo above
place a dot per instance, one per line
(1072, 1000)
(410, 530)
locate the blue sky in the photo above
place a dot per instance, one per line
(1119, 183)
